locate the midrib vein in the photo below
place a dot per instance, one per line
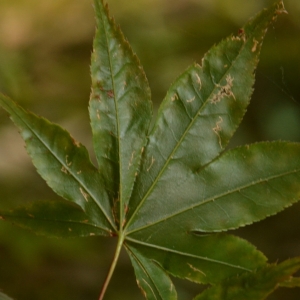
(191, 207)
(63, 164)
(56, 221)
(185, 254)
(120, 192)
(180, 140)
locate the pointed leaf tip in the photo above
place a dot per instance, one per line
(120, 109)
(196, 121)
(63, 163)
(60, 219)
(281, 9)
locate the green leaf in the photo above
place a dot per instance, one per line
(151, 278)
(120, 109)
(197, 118)
(54, 219)
(187, 183)
(241, 186)
(291, 282)
(256, 285)
(199, 258)
(63, 163)
(161, 191)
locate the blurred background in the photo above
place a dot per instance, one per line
(45, 49)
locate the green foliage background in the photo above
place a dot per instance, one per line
(45, 49)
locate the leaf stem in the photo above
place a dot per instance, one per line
(112, 266)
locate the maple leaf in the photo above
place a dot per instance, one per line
(168, 193)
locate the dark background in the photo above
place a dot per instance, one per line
(45, 51)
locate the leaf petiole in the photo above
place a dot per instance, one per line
(112, 266)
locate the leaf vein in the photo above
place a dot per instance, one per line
(213, 198)
(190, 255)
(191, 124)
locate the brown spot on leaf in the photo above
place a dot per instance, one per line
(77, 144)
(131, 159)
(190, 100)
(224, 90)
(126, 209)
(151, 164)
(198, 80)
(110, 93)
(142, 290)
(255, 43)
(196, 270)
(174, 97)
(69, 163)
(112, 234)
(217, 129)
(85, 195)
(242, 34)
(281, 9)
(64, 170)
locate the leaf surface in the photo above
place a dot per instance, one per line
(59, 219)
(197, 118)
(162, 191)
(199, 258)
(120, 109)
(187, 183)
(241, 186)
(291, 282)
(63, 163)
(153, 281)
(256, 285)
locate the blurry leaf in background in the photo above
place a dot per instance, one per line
(4, 297)
(257, 285)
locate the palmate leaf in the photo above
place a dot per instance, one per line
(257, 285)
(166, 192)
